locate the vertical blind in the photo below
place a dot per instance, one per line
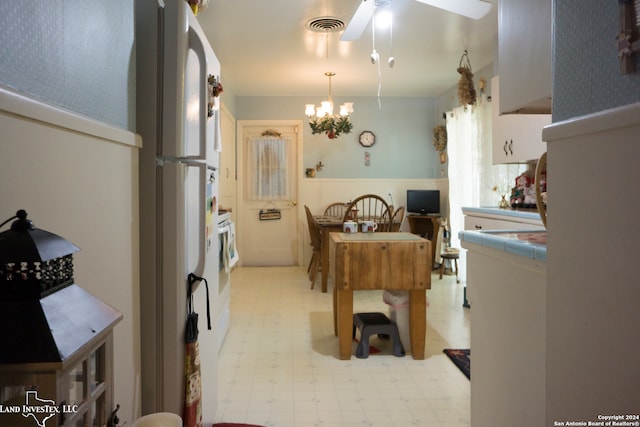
(268, 171)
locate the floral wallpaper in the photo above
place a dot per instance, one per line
(586, 69)
(78, 55)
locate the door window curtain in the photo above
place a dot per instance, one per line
(267, 169)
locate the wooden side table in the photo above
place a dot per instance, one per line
(426, 226)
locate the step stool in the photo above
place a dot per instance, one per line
(375, 323)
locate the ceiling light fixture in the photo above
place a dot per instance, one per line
(322, 119)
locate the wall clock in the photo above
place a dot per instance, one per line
(367, 138)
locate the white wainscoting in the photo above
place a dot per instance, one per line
(78, 178)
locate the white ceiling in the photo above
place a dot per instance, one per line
(266, 49)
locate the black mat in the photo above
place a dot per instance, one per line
(461, 358)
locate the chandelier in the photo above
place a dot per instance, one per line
(322, 119)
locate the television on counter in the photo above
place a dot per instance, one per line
(423, 202)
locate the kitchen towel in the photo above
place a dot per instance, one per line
(230, 250)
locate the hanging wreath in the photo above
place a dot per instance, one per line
(466, 91)
(440, 138)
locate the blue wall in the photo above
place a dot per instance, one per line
(75, 54)
(586, 69)
(403, 128)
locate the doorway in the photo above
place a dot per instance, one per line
(268, 192)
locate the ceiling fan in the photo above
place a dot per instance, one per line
(474, 9)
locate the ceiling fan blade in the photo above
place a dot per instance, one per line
(474, 9)
(359, 21)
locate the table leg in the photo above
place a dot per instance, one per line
(345, 322)
(335, 311)
(417, 322)
(324, 258)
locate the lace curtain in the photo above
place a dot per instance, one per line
(268, 159)
(471, 172)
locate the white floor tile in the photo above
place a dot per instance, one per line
(279, 364)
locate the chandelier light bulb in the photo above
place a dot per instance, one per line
(310, 110)
(346, 109)
(327, 107)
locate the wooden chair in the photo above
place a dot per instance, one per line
(451, 254)
(335, 209)
(316, 245)
(396, 219)
(369, 207)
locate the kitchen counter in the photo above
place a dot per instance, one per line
(506, 288)
(525, 243)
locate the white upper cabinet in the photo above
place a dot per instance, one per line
(517, 138)
(524, 55)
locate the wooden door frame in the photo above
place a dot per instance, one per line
(268, 124)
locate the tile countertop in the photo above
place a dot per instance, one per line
(516, 213)
(529, 244)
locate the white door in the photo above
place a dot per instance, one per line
(268, 221)
(228, 180)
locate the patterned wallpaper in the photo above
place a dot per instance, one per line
(76, 54)
(79, 55)
(586, 71)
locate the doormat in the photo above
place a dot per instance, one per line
(461, 358)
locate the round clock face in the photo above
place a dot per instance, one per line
(367, 138)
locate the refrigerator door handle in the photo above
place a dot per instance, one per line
(163, 160)
(196, 46)
(208, 228)
(207, 122)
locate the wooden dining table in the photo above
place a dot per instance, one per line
(328, 224)
(367, 261)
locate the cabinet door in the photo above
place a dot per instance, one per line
(517, 138)
(524, 55)
(530, 145)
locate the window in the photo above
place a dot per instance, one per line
(268, 159)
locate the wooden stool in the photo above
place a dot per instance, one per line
(375, 323)
(450, 254)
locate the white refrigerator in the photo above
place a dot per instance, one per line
(178, 119)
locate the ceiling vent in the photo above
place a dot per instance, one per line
(325, 24)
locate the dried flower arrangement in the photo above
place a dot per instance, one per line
(466, 90)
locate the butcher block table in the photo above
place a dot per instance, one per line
(361, 261)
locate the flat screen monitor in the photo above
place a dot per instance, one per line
(423, 202)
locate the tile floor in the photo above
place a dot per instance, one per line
(279, 363)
